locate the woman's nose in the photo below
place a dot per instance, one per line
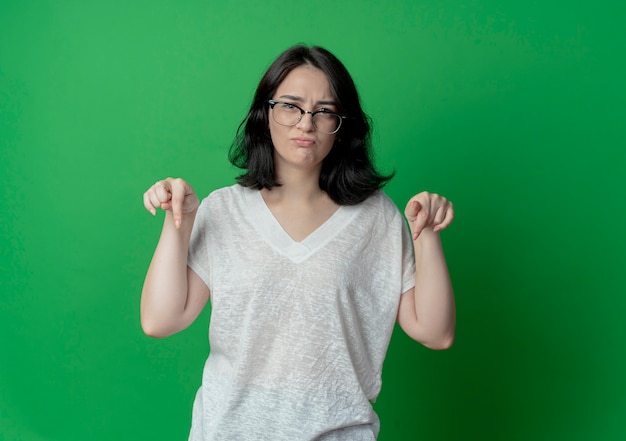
(306, 123)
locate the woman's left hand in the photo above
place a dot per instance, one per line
(428, 210)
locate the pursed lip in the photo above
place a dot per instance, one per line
(303, 141)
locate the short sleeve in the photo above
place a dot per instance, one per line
(408, 258)
(198, 258)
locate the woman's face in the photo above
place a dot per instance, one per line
(302, 146)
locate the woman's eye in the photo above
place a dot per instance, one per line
(288, 106)
(325, 113)
(323, 110)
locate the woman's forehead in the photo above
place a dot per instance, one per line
(306, 82)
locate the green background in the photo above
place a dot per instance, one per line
(513, 110)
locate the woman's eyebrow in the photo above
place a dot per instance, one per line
(299, 99)
(292, 98)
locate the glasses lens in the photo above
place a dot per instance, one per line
(286, 114)
(289, 115)
(326, 122)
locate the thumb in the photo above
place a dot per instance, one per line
(412, 210)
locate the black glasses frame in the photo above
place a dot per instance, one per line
(272, 103)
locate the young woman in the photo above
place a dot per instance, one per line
(307, 263)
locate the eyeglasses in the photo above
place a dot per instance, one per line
(288, 114)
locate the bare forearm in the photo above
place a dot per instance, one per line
(164, 296)
(433, 294)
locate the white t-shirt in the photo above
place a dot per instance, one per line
(298, 330)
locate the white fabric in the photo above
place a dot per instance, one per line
(298, 331)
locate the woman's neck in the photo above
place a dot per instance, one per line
(299, 205)
(298, 184)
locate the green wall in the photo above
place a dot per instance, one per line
(514, 110)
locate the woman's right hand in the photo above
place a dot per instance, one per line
(174, 195)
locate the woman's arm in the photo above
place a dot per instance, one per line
(173, 295)
(427, 312)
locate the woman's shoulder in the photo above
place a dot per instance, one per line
(222, 199)
(379, 212)
(226, 194)
(381, 202)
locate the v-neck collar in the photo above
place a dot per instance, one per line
(273, 232)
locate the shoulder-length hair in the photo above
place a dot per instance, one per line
(348, 174)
